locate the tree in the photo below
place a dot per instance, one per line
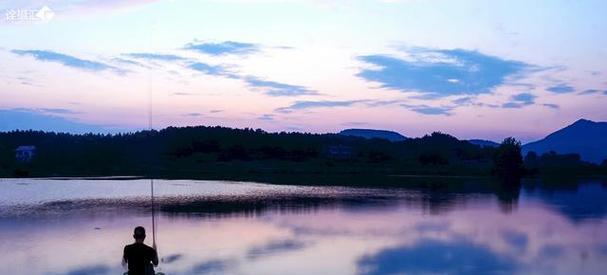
(508, 160)
(532, 162)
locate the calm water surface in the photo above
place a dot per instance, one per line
(77, 226)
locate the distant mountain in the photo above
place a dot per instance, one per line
(483, 143)
(371, 133)
(585, 137)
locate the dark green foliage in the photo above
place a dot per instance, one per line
(531, 163)
(508, 160)
(216, 151)
(433, 159)
(553, 163)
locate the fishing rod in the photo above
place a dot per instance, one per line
(151, 168)
(150, 163)
(150, 127)
(153, 216)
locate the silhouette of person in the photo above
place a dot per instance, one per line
(138, 256)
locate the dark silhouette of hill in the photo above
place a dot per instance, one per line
(371, 133)
(584, 137)
(483, 142)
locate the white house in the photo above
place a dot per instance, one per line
(25, 153)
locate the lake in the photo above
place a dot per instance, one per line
(434, 226)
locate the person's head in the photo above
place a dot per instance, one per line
(139, 233)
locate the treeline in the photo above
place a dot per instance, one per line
(551, 163)
(218, 151)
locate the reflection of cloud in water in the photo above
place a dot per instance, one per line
(515, 239)
(603, 249)
(551, 251)
(171, 258)
(212, 266)
(437, 257)
(275, 247)
(90, 270)
(432, 226)
(325, 232)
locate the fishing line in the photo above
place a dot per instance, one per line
(150, 144)
(150, 126)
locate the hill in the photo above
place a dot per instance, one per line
(371, 133)
(584, 137)
(483, 142)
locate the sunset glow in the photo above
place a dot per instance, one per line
(474, 69)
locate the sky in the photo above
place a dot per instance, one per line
(473, 69)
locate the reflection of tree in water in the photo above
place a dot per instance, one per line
(577, 199)
(434, 195)
(255, 206)
(438, 202)
(437, 195)
(507, 193)
(574, 198)
(440, 195)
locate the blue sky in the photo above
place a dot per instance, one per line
(475, 69)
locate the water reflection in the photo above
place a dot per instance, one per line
(507, 193)
(577, 201)
(437, 257)
(211, 266)
(463, 227)
(90, 270)
(275, 247)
